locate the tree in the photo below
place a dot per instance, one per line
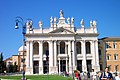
(1, 63)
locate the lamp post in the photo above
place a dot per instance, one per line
(20, 20)
(72, 64)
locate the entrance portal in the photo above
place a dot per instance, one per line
(45, 67)
(36, 67)
(79, 65)
(63, 65)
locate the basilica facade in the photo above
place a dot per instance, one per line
(61, 47)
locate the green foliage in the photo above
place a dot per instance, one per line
(2, 64)
(1, 57)
(38, 77)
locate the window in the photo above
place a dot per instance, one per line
(107, 45)
(36, 48)
(116, 67)
(88, 51)
(114, 45)
(108, 56)
(78, 48)
(115, 56)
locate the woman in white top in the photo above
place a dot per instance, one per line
(93, 75)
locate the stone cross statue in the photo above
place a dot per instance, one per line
(61, 13)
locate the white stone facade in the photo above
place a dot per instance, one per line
(69, 48)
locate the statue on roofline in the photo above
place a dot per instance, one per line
(40, 24)
(61, 13)
(94, 23)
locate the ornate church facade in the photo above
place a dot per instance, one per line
(61, 47)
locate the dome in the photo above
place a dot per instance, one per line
(21, 49)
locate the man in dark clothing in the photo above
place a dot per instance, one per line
(106, 75)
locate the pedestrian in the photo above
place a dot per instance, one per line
(106, 75)
(94, 75)
(88, 74)
(117, 77)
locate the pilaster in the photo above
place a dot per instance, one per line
(29, 66)
(69, 53)
(51, 57)
(55, 57)
(97, 56)
(84, 65)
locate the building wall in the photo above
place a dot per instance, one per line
(112, 49)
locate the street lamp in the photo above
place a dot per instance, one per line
(72, 64)
(20, 20)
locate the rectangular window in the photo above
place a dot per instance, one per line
(114, 45)
(115, 56)
(116, 67)
(107, 45)
(108, 56)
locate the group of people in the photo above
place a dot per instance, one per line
(106, 75)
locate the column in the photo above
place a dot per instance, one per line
(50, 57)
(93, 53)
(66, 64)
(97, 56)
(84, 67)
(65, 48)
(40, 57)
(69, 53)
(74, 55)
(55, 57)
(58, 47)
(31, 57)
(27, 57)
(59, 65)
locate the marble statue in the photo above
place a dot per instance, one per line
(82, 22)
(61, 13)
(40, 24)
(94, 23)
(72, 20)
(51, 19)
(68, 20)
(55, 20)
(91, 23)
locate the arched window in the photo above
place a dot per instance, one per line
(78, 48)
(36, 48)
(62, 47)
(87, 45)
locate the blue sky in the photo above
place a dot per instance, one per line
(105, 12)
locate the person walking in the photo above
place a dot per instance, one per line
(93, 75)
(106, 75)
